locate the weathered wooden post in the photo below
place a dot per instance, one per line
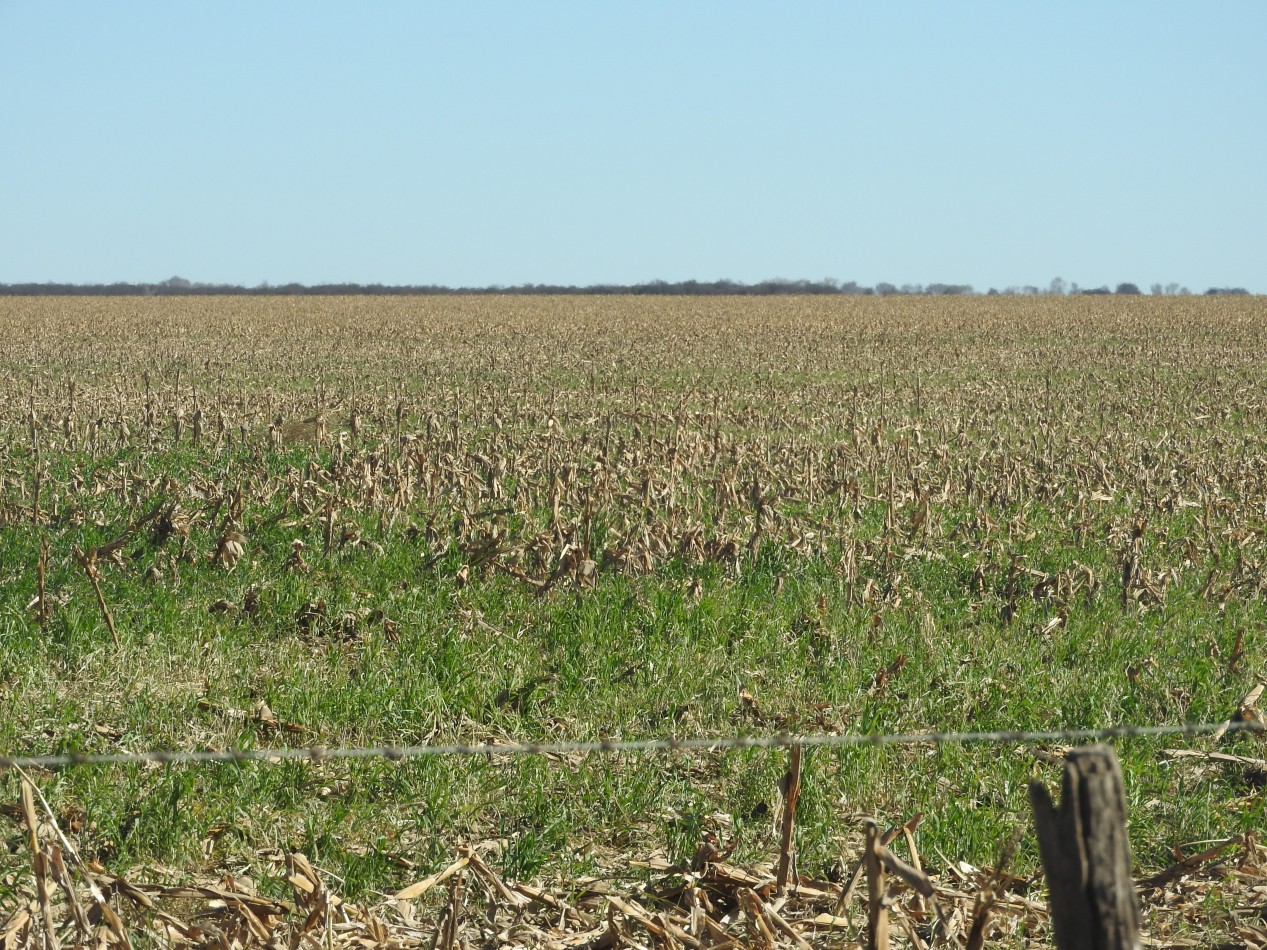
(1087, 855)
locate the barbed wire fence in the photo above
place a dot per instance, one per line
(1091, 850)
(781, 740)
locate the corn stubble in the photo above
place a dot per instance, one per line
(939, 513)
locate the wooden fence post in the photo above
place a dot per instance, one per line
(1087, 855)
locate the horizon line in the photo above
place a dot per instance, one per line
(778, 286)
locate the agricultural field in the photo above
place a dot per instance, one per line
(265, 522)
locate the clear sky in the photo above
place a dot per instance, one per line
(501, 143)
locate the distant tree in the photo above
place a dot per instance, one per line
(885, 290)
(1057, 287)
(1126, 289)
(1172, 289)
(1097, 290)
(992, 292)
(1226, 290)
(1155, 290)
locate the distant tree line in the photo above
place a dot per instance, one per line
(180, 287)
(1058, 288)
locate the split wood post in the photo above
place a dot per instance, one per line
(1087, 855)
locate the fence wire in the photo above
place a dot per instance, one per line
(693, 743)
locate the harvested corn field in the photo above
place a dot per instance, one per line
(265, 522)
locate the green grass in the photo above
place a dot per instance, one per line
(633, 658)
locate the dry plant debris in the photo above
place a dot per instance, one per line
(709, 902)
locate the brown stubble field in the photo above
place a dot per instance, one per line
(352, 521)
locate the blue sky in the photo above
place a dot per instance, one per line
(480, 143)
